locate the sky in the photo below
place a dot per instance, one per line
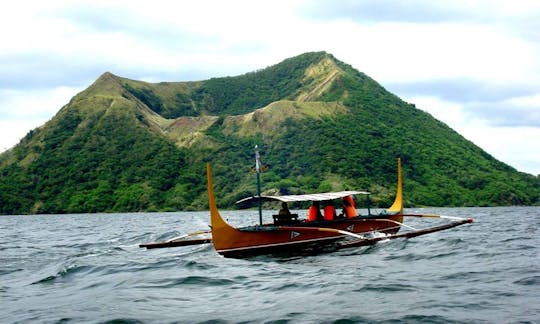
(474, 65)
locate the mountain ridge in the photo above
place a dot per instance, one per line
(321, 125)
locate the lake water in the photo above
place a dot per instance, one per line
(89, 269)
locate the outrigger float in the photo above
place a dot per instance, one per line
(292, 235)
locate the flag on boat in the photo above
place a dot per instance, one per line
(259, 167)
(257, 160)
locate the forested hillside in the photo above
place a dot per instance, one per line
(127, 145)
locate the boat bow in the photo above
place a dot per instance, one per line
(222, 232)
(397, 206)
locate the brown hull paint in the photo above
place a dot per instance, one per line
(231, 241)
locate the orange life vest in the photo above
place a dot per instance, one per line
(329, 212)
(350, 207)
(312, 213)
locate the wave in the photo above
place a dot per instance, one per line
(189, 281)
(59, 272)
(387, 287)
(64, 274)
(528, 281)
(123, 321)
(433, 319)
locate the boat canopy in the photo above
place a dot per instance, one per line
(309, 197)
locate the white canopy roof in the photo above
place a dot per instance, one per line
(309, 197)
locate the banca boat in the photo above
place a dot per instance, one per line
(290, 234)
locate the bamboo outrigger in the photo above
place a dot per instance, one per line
(292, 235)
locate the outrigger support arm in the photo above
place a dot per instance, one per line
(371, 241)
(188, 235)
(395, 222)
(437, 216)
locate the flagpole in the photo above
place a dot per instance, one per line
(258, 169)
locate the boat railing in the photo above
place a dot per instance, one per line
(285, 219)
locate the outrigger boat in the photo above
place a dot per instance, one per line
(289, 234)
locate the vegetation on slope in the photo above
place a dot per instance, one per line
(229, 95)
(320, 125)
(104, 160)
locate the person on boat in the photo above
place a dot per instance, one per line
(349, 207)
(329, 210)
(314, 212)
(284, 211)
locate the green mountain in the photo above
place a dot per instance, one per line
(127, 145)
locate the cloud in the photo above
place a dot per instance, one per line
(45, 70)
(383, 11)
(419, 40)
(42, 104)
(419, 52)
(518, 149)
(462, 61)
(521, 111)
(464, 90)
(519, 17)
(147, 27)
(515, 146)
(496, 103)
(21, 111)
(17, 130)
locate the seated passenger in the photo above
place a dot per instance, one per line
(284, 211)
(349, 208)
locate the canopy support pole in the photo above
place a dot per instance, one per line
(259, 194)
(258, 170)
(368, 206)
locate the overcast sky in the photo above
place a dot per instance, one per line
(474, 65)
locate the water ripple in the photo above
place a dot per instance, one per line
(528, 281)
(89, 268)
(64, 274)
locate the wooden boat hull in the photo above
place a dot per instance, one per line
(305, 237)
(235, 242)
